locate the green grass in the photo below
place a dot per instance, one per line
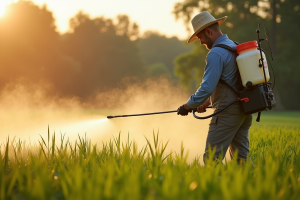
(278, 119)
(58, 169)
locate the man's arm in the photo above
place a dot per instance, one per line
(211, 77)
(201, 108)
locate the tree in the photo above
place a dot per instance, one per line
(158, 69)
(188, 70)
(95, 55)
(287, 44)
(156, 48)
(30, 46)
(126, 28)
(104, 50)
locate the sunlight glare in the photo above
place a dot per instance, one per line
(3, 4)
(2, 10)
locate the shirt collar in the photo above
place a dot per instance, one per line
(219, 39)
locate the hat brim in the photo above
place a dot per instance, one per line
(194, 36)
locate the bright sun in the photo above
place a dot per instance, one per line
(2, 10)
(3, 4)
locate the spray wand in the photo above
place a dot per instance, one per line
(154, 113)
(133, 115)
(172, 111)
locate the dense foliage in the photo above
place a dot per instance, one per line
(94, 55)
(159, 52)
(117, 170)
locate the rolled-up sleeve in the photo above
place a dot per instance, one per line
(211, 77)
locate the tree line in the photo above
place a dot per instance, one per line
(97, 53)
(94, 55)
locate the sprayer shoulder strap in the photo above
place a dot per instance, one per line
(229, 86)
(224, 46)
(222, 81)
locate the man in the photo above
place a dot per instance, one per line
(230, 128)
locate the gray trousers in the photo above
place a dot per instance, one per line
(229, 130)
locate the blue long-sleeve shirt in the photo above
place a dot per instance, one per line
(220, 64)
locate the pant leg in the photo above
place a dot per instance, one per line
(240, 141)
(222, 130)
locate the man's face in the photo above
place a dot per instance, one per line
(205, 39)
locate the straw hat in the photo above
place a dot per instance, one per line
(202, 21)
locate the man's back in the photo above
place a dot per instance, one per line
(220, 64)
(229, 71)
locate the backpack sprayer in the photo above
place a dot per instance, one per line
(255, 92)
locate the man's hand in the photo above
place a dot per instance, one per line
(202, 108)
(184, 110)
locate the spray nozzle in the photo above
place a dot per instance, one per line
(110, 117)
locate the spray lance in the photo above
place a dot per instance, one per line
(256, 94)
(156, 113)
(172, 111)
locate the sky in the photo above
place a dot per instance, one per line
(149, 14)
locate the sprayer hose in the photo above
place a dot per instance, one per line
(206, 117)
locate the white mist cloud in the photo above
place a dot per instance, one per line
(27, 110)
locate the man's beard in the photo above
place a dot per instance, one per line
(209, 42)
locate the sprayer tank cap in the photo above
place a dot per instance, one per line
(246, 46)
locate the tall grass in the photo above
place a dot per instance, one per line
(118, 170)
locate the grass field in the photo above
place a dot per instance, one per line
(278, 119)
(118, 170)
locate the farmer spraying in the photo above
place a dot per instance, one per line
(235, 83)
(229, 128)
